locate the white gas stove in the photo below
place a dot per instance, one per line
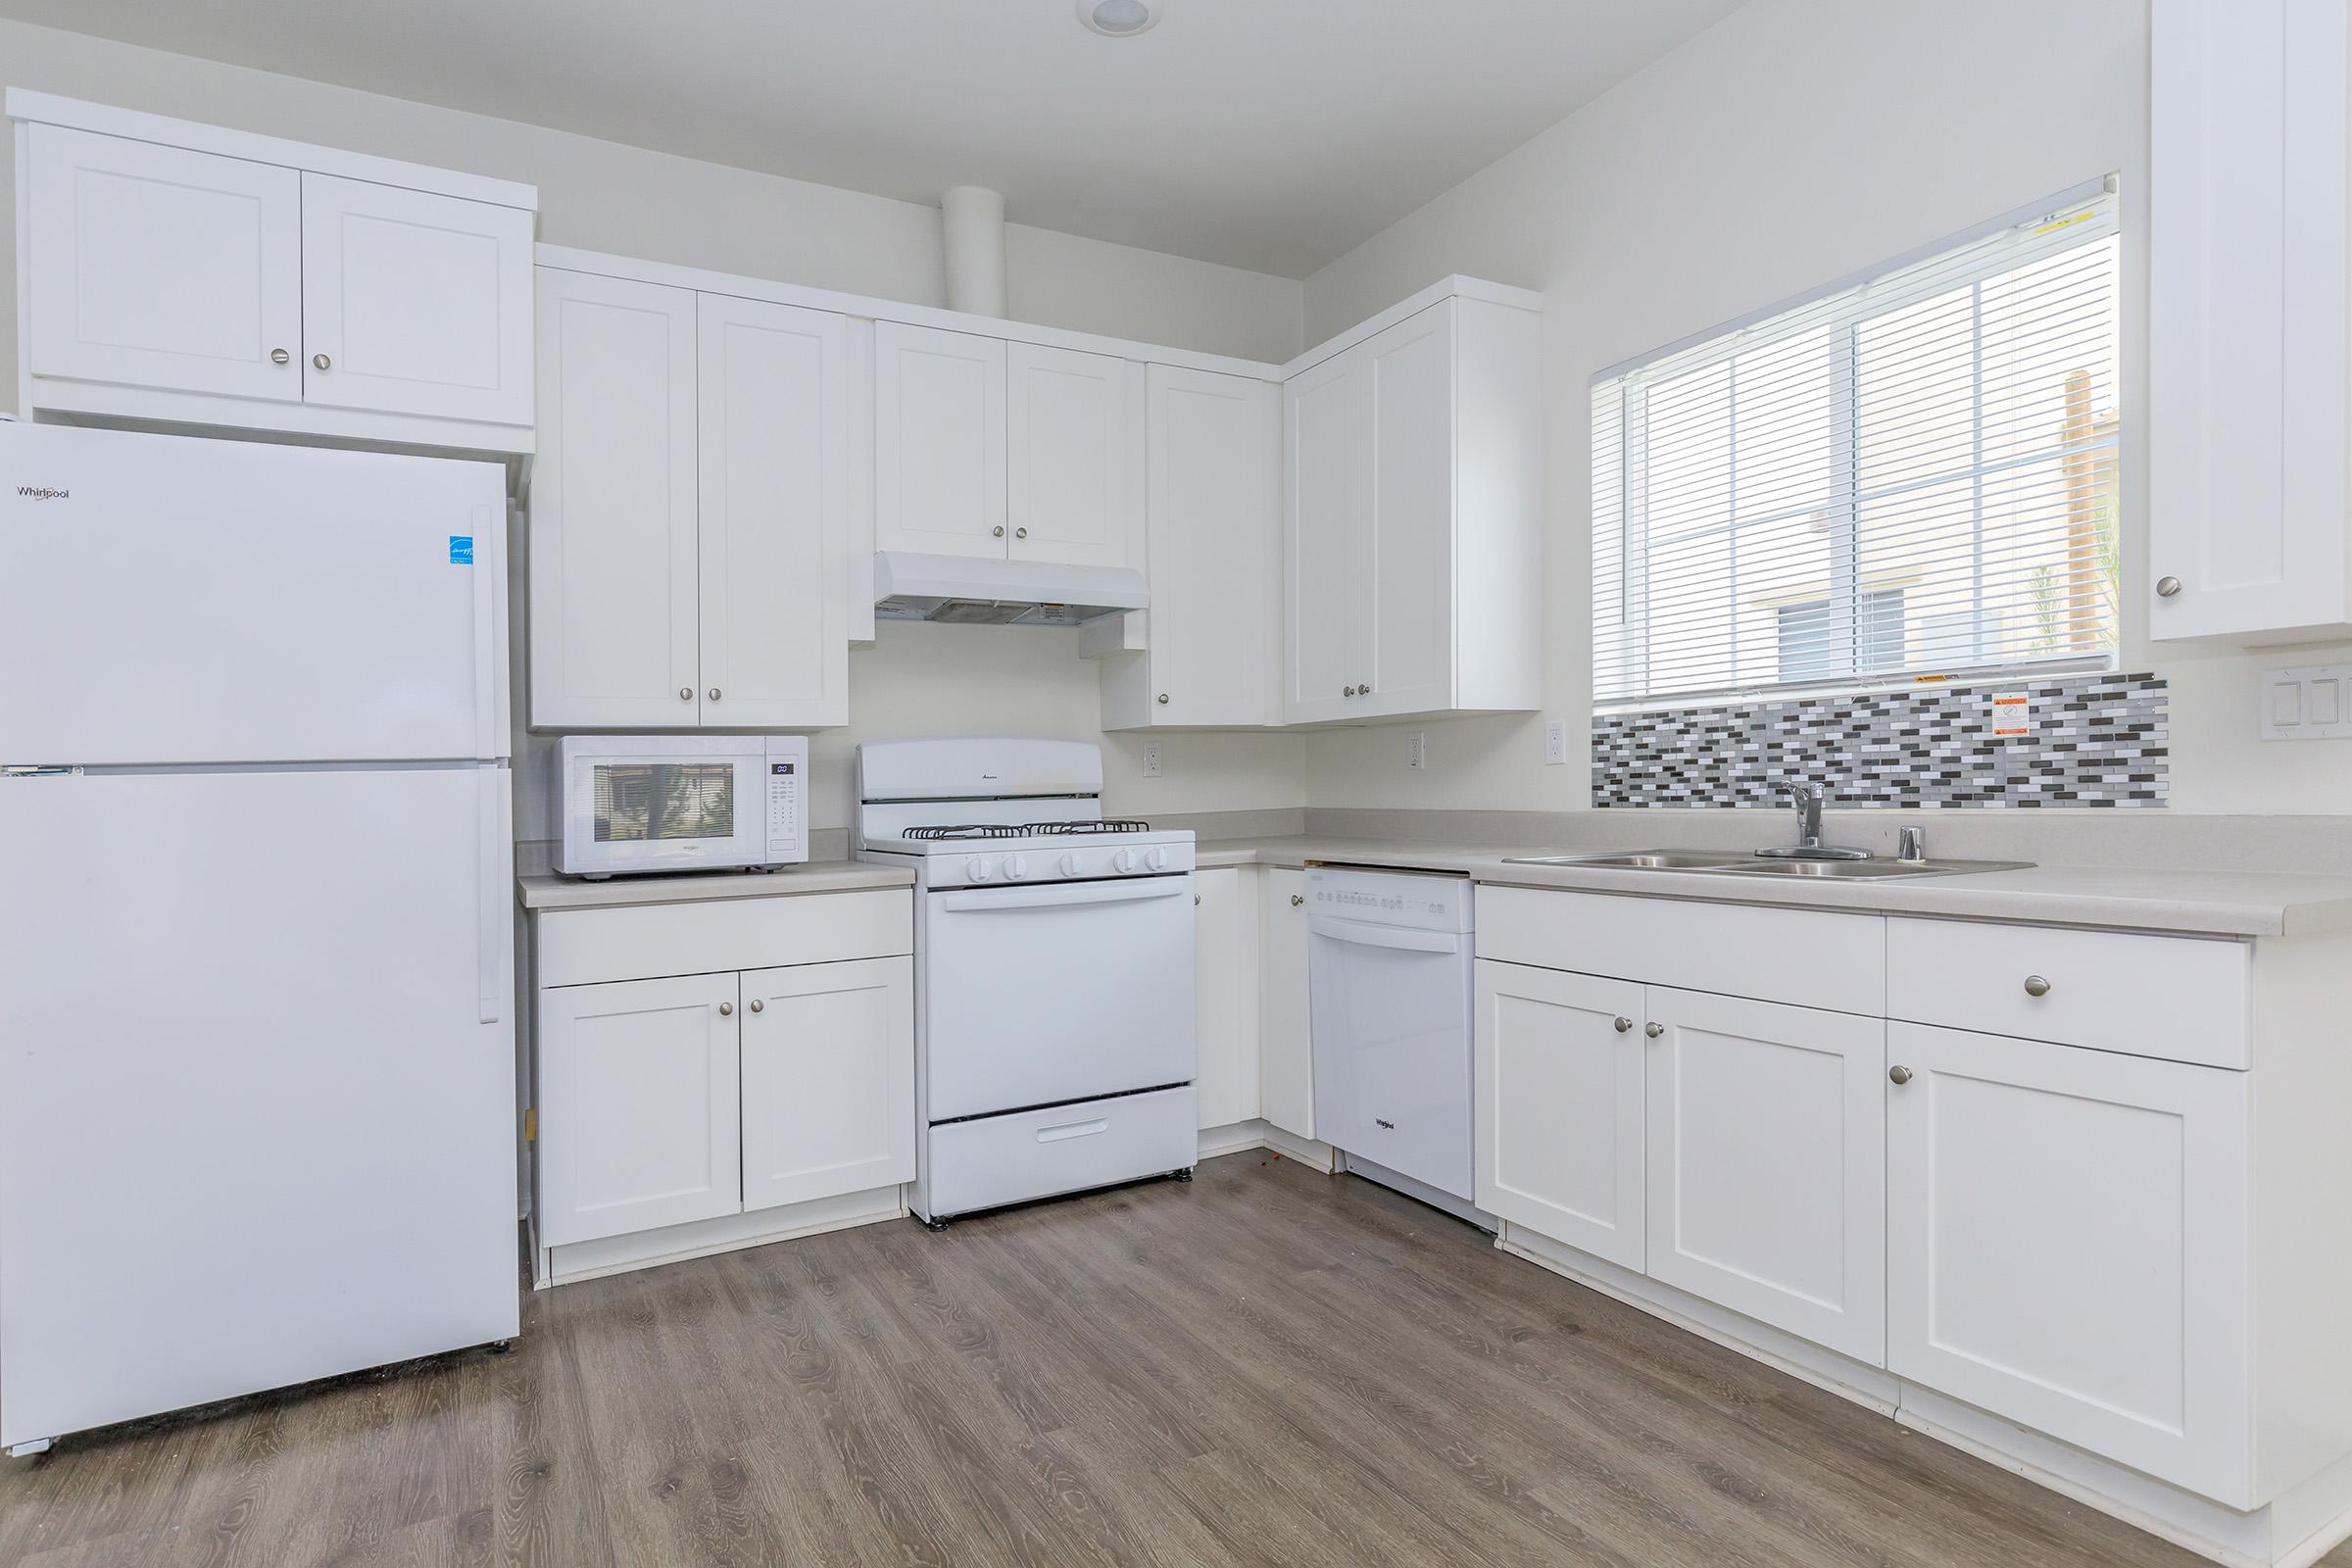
(1055, 1041)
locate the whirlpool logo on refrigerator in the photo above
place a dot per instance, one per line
(43, 492)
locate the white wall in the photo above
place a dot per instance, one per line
(1794, 143)
(916, 680)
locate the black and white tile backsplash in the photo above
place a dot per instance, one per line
(2092, 740)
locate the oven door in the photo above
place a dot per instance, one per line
(1033, 996)
(649, 808)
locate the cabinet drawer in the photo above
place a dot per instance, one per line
(578, 947)
(1061, 1148)
(2180, 999)
(1805, 956)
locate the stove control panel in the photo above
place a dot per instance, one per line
(1054, 863)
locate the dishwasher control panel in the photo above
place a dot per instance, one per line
(1413, 901)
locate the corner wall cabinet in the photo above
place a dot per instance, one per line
(690, 531)
(1412, 523)
(178, 274)
(2249, 406)
(683, 1108)
(2096, 1224)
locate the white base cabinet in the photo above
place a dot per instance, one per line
(1286, 1060)
(179, 275)
(1226, 981)
(670, 1105)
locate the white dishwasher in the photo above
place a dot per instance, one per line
(1388, 968)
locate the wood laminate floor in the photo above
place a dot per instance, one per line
(1267, 1366)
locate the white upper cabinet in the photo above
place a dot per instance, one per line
(774, 501)
(415, 303)
(1074, 458)
(2250, 423)
(614, 598)
(175, 273)
(690, 529)
(1212, 635)
(1412, 516)
(939, 441)
(151, 266)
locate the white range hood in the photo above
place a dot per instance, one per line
(968, 591)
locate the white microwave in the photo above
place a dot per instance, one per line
(680, 802)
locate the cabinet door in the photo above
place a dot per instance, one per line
(1215, 566)
(614, 537)
(1071, 457)
(415, 303)
(828, 1080)
(774, 524)
(639, 1121)
(1286, 1066)
(155, 267)
(2247, 345)
(939, 441)
(1767, 1180)
(1407, 661)
(1558, 1067)
(1327, 509)
(2068, 1246)
(1225, 981)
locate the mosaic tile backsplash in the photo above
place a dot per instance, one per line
(2089, 739)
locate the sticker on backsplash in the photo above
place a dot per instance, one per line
(2012, 715)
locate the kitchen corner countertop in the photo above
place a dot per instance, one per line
(2230, 904)
(551, 892)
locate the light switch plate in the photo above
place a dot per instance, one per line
(1151, 760)
(1556, 743)
(2310, 703)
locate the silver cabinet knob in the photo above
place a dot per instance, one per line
(1899, 1075)
(1625, 1026)
(998, 530)
(758, 1005)
(714, 694)
(685, 693)
(1347, 691)
(279, 355)
(1020, 533)
(1654, 1030)
(2036, 986)
(1163, 696)
(1296, 899)
(2166, 587)
(321, 360)
(1196, 898)
(726, 1010)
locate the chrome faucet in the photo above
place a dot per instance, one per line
(1810, 798)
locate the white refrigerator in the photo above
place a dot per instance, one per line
(257, 1066)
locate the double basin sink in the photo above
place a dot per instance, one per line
(1732, 863)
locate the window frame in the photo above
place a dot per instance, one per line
(1843, 309)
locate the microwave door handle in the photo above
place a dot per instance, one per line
(1356, 933)
(1066, 894)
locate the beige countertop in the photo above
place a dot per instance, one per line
(550, 892)
(2230, 904)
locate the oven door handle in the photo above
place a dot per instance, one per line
(1062, 895)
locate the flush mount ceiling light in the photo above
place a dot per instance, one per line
(1120, 19)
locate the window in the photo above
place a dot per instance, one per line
(1908, 474)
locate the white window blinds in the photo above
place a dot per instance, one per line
(1910, 474)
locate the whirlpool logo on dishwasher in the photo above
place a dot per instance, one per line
(42, 492)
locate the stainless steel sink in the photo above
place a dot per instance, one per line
(1720, 863)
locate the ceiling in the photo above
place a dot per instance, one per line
(1271, 134)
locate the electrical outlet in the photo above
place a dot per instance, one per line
(1556, 743)
(1418, 757)
(1151, 760)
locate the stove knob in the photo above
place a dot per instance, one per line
(979, 870)
(1071, 864)
(1123, 860)
(1015, 868)
(1156, 859)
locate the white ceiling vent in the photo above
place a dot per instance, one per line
(1120, 19)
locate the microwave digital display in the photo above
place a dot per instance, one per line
(641, 803)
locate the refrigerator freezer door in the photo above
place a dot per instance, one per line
(253, 1127)
(174, 600)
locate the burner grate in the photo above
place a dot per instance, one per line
(1114, 824)
(970, 830)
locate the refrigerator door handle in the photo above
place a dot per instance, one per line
(490, 738)
(492, 941)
